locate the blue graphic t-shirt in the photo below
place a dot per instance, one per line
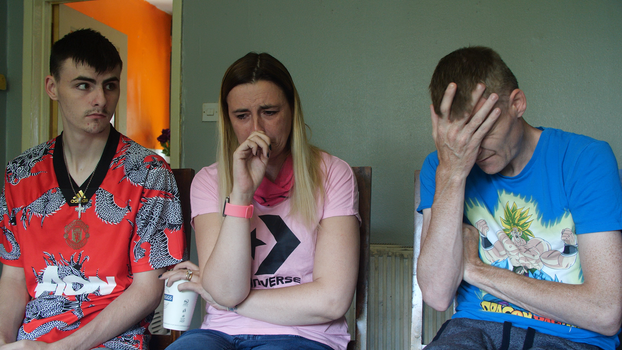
(529, 223)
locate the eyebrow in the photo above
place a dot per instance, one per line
(260, 107)
(93, 81)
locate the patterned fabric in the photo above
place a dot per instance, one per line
(529, 223)
(131, 222)
(283, 249)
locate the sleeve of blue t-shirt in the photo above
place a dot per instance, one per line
(427, 179)
(593, 189)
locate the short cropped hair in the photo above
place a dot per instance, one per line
(85, 46)
(308, 177)
(468, 67)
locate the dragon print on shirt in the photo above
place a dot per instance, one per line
(107, 210)
(156, 213)
(44, 206)
(21, 167)
(14, 252)
(134, 219)
(51, 296)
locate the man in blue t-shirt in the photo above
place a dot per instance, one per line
(528, 241)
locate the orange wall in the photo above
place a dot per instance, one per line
(148, 31)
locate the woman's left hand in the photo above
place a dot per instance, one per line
(188, 271)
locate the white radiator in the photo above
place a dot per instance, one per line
(390, 286)
(390, 298)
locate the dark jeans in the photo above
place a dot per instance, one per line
(464, 333)
(206, 339)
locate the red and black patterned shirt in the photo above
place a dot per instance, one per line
(78, 258)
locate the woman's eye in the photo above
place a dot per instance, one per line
(270, 112)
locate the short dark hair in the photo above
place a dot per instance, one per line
(468, 67)
(85, 46)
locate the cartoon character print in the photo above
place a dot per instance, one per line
(155, 213)
(526, 253)
(518, 241)
(513, 236)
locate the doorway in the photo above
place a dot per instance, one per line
(36, 124)
(70, 20)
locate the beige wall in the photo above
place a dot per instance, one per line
(362, 70)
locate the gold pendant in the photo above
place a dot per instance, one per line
(79, 198)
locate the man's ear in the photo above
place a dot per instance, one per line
(518, 103)
(51, 87)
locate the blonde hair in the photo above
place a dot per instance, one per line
(308, 188)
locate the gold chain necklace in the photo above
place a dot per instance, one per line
(79, 197)
(77, 232)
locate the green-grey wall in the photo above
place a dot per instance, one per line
(3, 70)
(11, 14)
(11, 24)
(362, 70)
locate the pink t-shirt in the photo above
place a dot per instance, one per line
(289, 261)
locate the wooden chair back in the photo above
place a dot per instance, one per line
(183, 177)
(363, 179)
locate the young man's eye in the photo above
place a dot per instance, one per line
(82, 86)
(111, 86)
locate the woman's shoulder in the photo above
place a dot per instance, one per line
(330, 161)
(206, 174)
(336, 169)
(210, 171)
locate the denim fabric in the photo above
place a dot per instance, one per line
(467, 334)
(206, 339)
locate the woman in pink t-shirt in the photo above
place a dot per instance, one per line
(275, 221)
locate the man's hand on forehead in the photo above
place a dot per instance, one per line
(458, 141)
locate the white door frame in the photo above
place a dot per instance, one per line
(36, 53)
